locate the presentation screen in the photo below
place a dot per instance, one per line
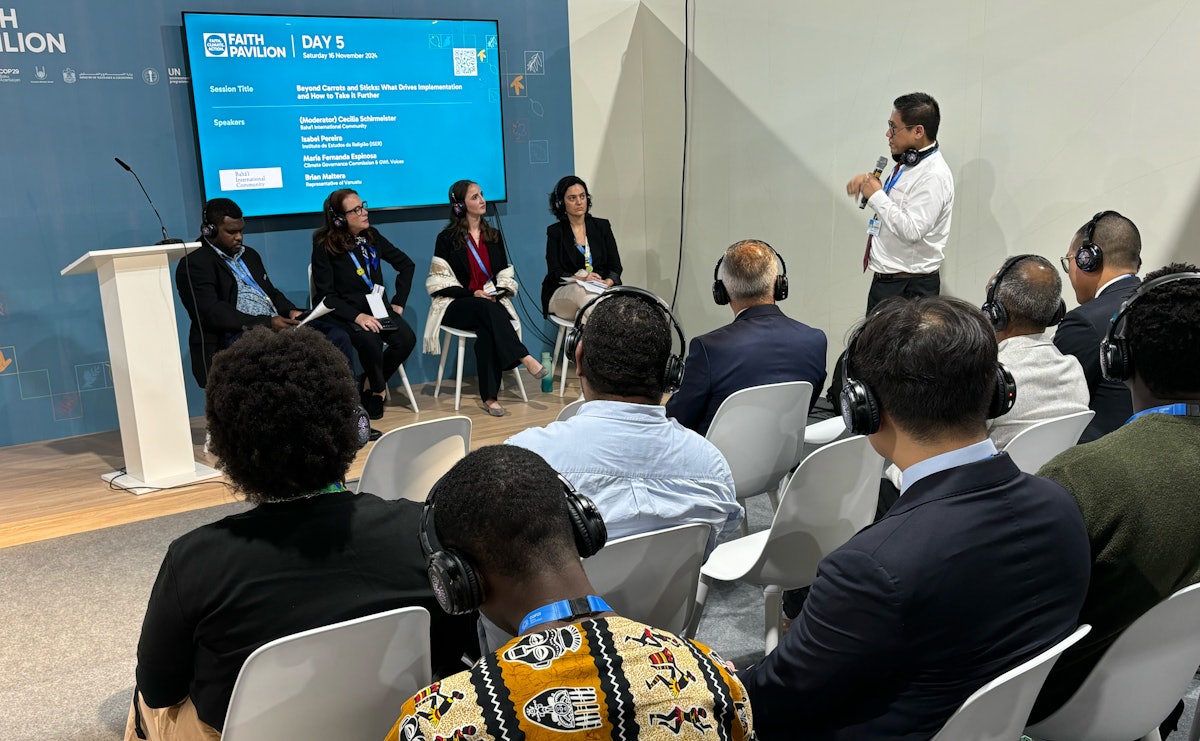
(291, 108)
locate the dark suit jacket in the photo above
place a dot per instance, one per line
(458, 258)
(974, 570)
(337, 282)
(213, 287)
(1079, 334)
(760, 346)
(563, 258)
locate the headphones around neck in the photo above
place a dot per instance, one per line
(455, 583)
(1090, 257)
(721, 295)
(912, 156)
(860, 407)
(673, 374)
(995, 311)
(338, 220)
(207, 228)
(559, 206)
(1116, 358)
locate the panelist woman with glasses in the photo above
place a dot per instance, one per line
(347, 275)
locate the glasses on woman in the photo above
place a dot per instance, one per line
(358, 210)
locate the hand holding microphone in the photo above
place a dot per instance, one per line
(861, 180)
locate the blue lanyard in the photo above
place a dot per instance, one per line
(562, 610)
(239, 268)
(587, 256)
(372, 263)
(1175, 410)
(474, 253)
(891, 181)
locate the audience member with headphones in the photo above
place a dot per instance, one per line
(760, 346)
(906, 236)
(977, 568)
(225, 290)
(504, 534)
(472, 284)
(1136, 486)
(285, 424)
(1102, 262)
(641, 469)
(1024, 297)
(347, 275)
(579, 246)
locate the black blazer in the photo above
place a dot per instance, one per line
(974, 570)
(1080, 334)
(458, 260)
(563, 258)
(204, 274)
(760, 346)
(337, 282)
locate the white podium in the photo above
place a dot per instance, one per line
(147, 368)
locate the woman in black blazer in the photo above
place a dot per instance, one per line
(471, 283)
(578, 245)
(346, 257)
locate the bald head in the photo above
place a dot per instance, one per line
(749, 269)
(1030, 292)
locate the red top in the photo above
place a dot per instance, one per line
(479, 274)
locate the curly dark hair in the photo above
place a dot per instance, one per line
(282, 413)
(338, 240)
(931, 363)
(626, 343)
(503, 506)
(1163, 329)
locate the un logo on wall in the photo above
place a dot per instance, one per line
(215, 46)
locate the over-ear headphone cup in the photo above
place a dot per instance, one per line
(362, 426)
(455, 586)
(207, 230)
(571, 341)
(673, 375)
(1005, 394)
(586, 523)
(781, 287)
(1115, 362)
(339, 222)
(911, 157)
(1059, 314)
(1089, 258)
(720, 295)
(860, 411)
(996, 314)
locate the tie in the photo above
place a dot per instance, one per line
(871, 237)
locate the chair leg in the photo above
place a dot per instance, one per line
(745, 526)
(1153, 735)
(558, 342)
(562, 384)
(412, 399)
(520, 384)
(773, 605)
(701, 598)
(462, 352)
(437, 387)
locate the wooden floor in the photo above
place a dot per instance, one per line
(54, 488)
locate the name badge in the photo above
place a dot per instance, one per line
(873, 226)
(375, 301)
(489, 288)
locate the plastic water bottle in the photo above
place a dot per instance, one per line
(548, 381)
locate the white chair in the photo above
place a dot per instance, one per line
(652, 577)
(760, 431)
(997, 711)
(563, 325)
(825, 431)
(1034, 446)
(343, 681)
(832, 496)
(570, 410)
(1137, 681)
(407, 461)
(464, 335)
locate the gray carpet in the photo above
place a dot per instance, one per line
(72, 609)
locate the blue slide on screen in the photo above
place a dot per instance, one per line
(289, 109)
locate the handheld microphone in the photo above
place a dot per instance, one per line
(165, 239)
(880, 164)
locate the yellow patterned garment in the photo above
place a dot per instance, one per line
(608, 678)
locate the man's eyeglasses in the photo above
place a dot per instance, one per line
(1066, 263)
(893, 128)
(358, 210)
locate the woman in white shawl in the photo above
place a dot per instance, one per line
(471, 283)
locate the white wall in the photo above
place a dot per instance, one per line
(1051, 112)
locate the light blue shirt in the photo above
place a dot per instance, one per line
(955, 458)
(645, 472)
(250, 299)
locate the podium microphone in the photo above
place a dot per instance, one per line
(880, 164)
(165, 239)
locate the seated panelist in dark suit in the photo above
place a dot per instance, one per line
(1102, 263)
(225, 290)
(347, 272)
(578, 245)
(760, 346)
(976, 568)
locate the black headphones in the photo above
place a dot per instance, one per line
(912, 156)
(1116, 360)
(995, 311)
(721, 296)
(207, 228)
(1090, 257)
(560, 191)
(454, 581)
(338, 220)
(860, 407)
(362, 425)
(673, 374)
(457, 207)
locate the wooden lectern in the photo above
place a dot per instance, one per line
(143, 349)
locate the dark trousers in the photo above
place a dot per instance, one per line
(378, 363)
(497, 347)
(335, 334)
(886, 286)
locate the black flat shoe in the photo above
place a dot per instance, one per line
(374, 405)
(375, 435)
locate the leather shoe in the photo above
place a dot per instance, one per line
(373, 403)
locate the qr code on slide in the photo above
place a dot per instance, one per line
(466, 64)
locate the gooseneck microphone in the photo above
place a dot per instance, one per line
(165, 239)
(880, 164)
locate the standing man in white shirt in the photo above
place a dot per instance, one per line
(906, 236)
